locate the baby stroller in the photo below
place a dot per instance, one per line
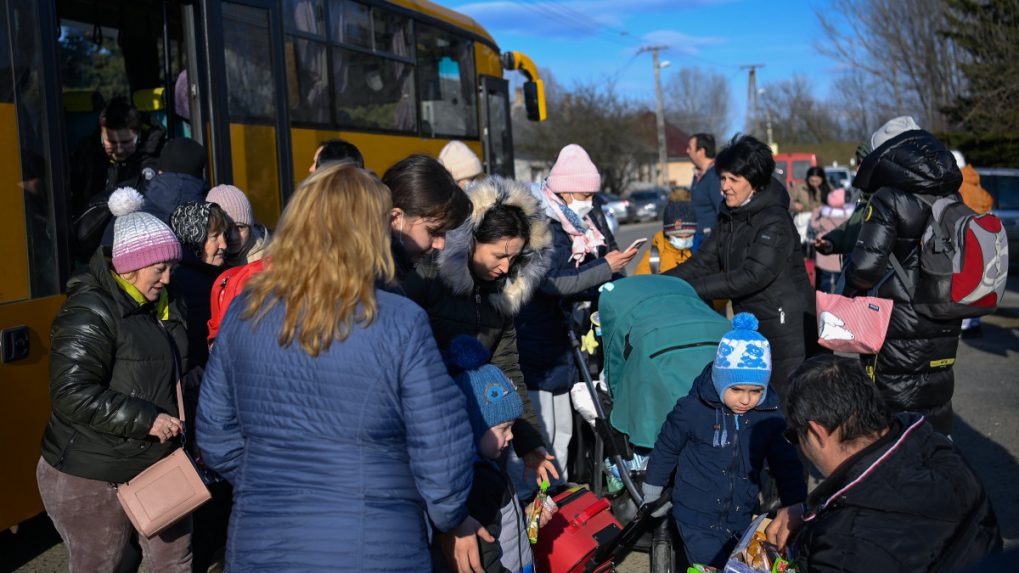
(657, 335)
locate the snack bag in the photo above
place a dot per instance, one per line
(534, 516)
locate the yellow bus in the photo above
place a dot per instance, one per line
(260, 83)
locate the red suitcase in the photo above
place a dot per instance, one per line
(568, 542)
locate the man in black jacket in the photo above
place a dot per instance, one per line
(908, 170)
(897, 494)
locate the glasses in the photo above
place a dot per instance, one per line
(792, 435)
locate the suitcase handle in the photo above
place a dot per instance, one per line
(591, 511)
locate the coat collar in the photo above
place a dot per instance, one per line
(862, 465)
(512, 292)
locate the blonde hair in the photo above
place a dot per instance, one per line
(326, 257)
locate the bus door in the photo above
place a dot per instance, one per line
(497, 134)
(250, 136)
(32, 208)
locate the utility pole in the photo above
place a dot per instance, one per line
(753, 115)
(663, 160)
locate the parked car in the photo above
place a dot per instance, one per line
(648, 204)
(611, 219)
(839, 176)
(1003, 185)
(621, 209)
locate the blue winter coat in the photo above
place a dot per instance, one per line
(706, 196)
(718, 456)
(338, 461)
(546, 357)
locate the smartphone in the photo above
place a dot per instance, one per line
(637, 244)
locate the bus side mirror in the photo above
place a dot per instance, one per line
(534, 100)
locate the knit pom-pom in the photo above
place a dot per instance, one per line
(744, 321)
(467, 353)
(125, 200)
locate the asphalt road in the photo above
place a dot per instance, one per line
(986, 431)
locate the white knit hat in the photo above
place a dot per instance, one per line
(234, 202)
(460, 161)
(894, 127)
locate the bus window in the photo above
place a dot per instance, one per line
(306, 16)
(308, 81)
(249, 79)
(373, 92)
(392, 33)
(28, 156)
(352, 23)
(448, 91)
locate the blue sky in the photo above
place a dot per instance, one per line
(595, 39)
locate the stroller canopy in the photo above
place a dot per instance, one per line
(658, 337)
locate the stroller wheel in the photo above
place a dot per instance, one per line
(662, 553)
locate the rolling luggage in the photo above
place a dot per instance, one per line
(568, 542)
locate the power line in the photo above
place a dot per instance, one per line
(591, 27)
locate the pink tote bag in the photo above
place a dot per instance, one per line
(856, 325)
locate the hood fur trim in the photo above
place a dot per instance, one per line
(530, 267)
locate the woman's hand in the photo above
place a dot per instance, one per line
(165, 428)
(618, 261)
(823, 246)
(540, 462)
(460, 546)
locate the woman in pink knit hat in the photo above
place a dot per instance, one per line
(579, 262)
(247, 239)
(119, 343)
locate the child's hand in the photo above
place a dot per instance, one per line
(540, 462)
(548, 509)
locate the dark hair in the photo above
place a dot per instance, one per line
(705, 141)
(503, 221)
(422, 187)
(824, 187)
(836, 393)
(747, 157)
(120, 114)
(338, 150)
(218, 220)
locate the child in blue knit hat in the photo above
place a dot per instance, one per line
(492, 406)
(716, 440)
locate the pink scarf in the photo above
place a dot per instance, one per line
(585, 236)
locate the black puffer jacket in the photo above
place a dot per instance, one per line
(458, 304)
(192, 283)
(914, 367)
(753, 257)
(906, 503)
(111, 374)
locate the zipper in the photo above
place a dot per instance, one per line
(684, 346)
(477, 307)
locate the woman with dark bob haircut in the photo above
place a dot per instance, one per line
(753, 255)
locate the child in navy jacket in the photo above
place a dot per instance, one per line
(717, 439)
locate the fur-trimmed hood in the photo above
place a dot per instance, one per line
(516, 288)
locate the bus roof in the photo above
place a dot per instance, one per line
(449, 16)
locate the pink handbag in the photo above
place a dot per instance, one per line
(857, 325)
(168, 490)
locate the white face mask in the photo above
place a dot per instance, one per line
(581, 208)
(681, 243)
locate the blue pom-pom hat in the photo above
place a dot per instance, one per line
(743, 357)
(491, 397)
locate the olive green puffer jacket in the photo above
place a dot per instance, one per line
(111, 374)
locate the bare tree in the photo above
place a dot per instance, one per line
(698, 100)
(899, 43)
(861, 103)
(796, 115)
(596, 117)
